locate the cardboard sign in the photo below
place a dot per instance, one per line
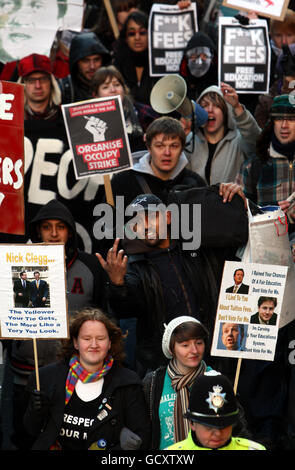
(247, 320)
(270, 8)
(97, 136)
(12, 158)
(28, 310)
(170, 29)
(29, 27)
(244, 55)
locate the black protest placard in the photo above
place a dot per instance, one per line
(170, 29)
(97, 136)
(244, 55)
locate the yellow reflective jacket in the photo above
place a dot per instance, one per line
(236, 443)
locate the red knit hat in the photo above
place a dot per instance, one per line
(34, 63)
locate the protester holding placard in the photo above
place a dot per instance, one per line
(88, 400)
(53, 224)
(131, 57)
(226, 140)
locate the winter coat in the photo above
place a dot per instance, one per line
(122, 391)
(190, 281)
(232, 150)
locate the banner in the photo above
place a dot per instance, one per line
(247, 319)
(244, 55)
(12, 158)
(170, 29)
(29, 27)
(270, 8)
(97, 136)
(33, 291)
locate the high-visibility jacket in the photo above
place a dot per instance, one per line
(236, 443)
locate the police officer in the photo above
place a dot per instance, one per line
(213, 411)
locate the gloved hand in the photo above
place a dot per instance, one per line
(129, 440)
(40, 401)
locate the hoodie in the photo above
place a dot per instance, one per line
(237, 145)
(141, 179)
(197, 85)
(74, 87)
(84, 289)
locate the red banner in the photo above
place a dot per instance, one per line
(12, 158)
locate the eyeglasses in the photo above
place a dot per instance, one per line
(141, 32)
(32, 81)
(284, 118)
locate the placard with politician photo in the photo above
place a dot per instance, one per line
(248, 312)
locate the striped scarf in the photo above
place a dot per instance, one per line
(181, 384)
(77, 372)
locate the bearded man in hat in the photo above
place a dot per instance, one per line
(212, 412)
(42, 93)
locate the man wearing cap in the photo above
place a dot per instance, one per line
(159, 281)
(269, 179)
(212, 412)
(87, 54)
(42, 93)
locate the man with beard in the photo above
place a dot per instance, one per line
(87, 54)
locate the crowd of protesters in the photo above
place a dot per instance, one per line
(136, 371)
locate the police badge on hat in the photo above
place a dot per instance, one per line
(216, 399)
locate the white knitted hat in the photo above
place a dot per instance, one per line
(169, 330)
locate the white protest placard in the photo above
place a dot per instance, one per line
(31, 310)
(29, 27)
(247, 320)
(269, 8)
(170, 29)
(244, 55)
(97, 136)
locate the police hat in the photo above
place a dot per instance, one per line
(212, 402)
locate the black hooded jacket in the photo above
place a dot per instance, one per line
(73, 87)
(197, 85)
(162, 284)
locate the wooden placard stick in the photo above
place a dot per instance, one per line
(112, 18)
(237, 375)
(108, 190)
(36, 363)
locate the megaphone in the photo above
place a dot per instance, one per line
(169, 94)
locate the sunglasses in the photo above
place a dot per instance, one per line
(142, 32)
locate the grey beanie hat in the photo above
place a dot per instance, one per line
(169, 330)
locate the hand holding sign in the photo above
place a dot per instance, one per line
(230, 95)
